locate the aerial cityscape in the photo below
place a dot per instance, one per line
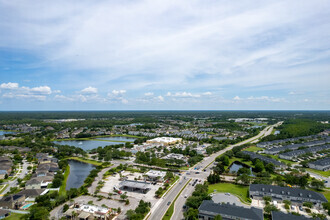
(164, 110)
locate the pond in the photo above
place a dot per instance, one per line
(78, 173)
(6, 132)
(235, 166)
(118, 138)
(87, 145)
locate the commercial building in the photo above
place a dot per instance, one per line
(83, 211)
(322, 164)
(156, 175)
(164, 141)
(278, 193)
(208, 210)
(4, 213)
(135, 186)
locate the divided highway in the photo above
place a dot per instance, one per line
(158, 211)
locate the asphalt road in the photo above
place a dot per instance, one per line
(13, 183)
(178, 211)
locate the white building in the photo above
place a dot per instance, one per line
(164, 140)
(156, 175)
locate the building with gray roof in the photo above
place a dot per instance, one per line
(322, 164)
(278, 193)
(131, 185)
(292, 154)
(208, 210)
(283, 216)
(265, 159)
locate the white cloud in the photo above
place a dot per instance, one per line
(149, 94)
(118, 92)
(160, 98)
(207, 93)
(13, 90)
(89, 90)
(46, 90)
(183, 95)
(9, 85)
(237, 98)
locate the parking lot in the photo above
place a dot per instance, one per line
(227, 198)
(114, 181)
(109, 203)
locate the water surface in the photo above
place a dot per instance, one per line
(87, 145)
(78, 173)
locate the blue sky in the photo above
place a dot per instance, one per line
(159, 55)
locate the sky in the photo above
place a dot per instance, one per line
(164, 55)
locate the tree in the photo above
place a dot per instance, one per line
(218, 217)
(243, 170)
(37, 213)
(245, 179)
(225, 160)
(192, 214)
(270, 167)
(270, 208)
(317, 184)
(308, 204)
(119, 210)
(259, 167)
(267, 199)
(123, 196)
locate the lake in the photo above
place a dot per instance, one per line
(6, 132)
(118, 138)
(78, 173)
(235, 166)
(88, 145)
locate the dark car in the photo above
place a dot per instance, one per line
(169, 203)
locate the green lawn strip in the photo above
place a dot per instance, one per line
(238, 190)
(253, 149)
(63, 186)
(3, 189)
(320, 172)
(94, 162)
(170, 210)
(14, 216)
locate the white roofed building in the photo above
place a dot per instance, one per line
(156, 175)
(164, 141)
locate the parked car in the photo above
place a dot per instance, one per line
(301, 208)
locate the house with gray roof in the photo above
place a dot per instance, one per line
(283, 216)
(322, 164)
(292, 154)
(265, 159)
(278, 193)
(208, 210)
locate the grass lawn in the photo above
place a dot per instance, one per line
(14, 216)
(238, 190)
(94, 162)
(63, 186)
(253, 149)
(322, 173)
(326, 193)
